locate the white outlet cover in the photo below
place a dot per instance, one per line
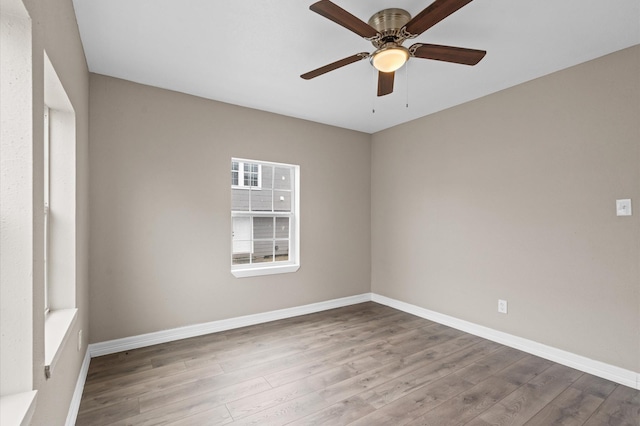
(623, 207)
(502, 306)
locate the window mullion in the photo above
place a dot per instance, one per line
(251, 238)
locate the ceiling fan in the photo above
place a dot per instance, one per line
(387, 30)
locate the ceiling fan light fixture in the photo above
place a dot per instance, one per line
(389, 58)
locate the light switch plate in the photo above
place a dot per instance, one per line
(623, 207)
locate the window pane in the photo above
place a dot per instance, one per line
(261, 200)
(262, 227)
(281, 201)
(282, 227)
(263, 251)
(239, 200)
(282, 250)
(251, 174)
(240, 258)
(267, 176)
(241, 237)
(241, 234)
(282, 178)
(234, 173)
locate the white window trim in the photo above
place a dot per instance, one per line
(60, 135)
(47, 179)
(57, 329)
(18, 409)
(265, 270)
(243, 271)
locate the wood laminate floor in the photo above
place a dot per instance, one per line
(365, 365)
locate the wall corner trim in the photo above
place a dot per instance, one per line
(143, 340)
(597, 368)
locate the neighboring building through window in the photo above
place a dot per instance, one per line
(264, 217)
(246, 174)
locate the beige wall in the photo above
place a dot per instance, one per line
(160, 209)
(512, 196)
(55, 29)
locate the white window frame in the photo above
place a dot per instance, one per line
(47, 186)
(60, 269)
(276, 267)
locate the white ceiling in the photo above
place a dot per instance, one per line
(252, 52)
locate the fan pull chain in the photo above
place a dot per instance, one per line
(373, 98)
(406, 75)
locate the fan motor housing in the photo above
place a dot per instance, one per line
(388, 23)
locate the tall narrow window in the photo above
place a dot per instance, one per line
(59, 203)
(264, 217)
(235, 173)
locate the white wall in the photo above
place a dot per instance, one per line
(16, 226)
(54, 29)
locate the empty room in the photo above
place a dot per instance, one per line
(343, 212)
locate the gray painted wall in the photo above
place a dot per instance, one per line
(161, 209)
(512, 196)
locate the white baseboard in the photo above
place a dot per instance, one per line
(597, 368)
(72, 415)
(134, 342)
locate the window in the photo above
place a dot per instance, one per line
(246, 174)
(59, 204)
(264, 217)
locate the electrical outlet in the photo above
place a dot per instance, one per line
(623, 207)
(80, 340)
(502, 306)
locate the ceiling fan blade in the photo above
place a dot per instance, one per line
(434, 13)
(456, 55)
(385, 82)
(335, 65)
(342, 17)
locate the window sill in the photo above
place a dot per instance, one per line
(17, 409)
(267, 270)
(57, 328)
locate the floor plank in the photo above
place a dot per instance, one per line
(362, 365)
(621, 408)
(571, 407)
